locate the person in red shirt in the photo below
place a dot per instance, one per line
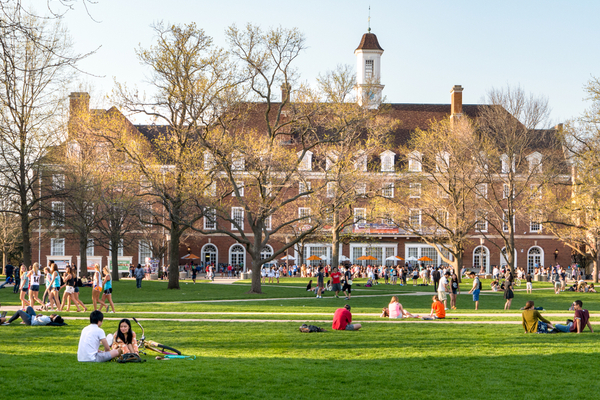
(342, 320)
(438, 310)
(336, 281)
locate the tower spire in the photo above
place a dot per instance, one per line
(369, 20)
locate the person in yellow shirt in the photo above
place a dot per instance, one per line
(533, 322)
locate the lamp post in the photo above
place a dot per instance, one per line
(555, 255)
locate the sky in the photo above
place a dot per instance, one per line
(548, 48)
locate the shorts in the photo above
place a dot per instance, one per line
(70, 289)
(76, 289)
(349, 327)
(336, 287)
(454, 291)
(320, 285)
(557, 283)
(347, 287)
(476, 295)
(103, 356)
(442, 296)
(25, 290)
(35, 288)
(529, 285)
(108, 291)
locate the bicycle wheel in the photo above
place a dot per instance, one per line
(161, 348)
(518, 282)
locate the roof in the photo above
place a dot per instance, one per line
(369, 42)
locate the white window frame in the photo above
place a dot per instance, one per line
(388, 190)
(535, 163)
(442, 161)
(119, 250)
(411, 216)
(506, 191)
(238, 161)
(414, 190)
(58, 213)
(415, 161)
(535, 227)
(536, 192)
(209, 161)
(268, 223)
(210, 223)
(303, 187)
(481, 226)
(387, 161)
(304, 212)
(369, 69)
(504, 159)
(306, 162)
(240, 186)
(330, 159)
(360, 163)
(89, 250)
(239, 217)
(58, 182)
(57, 244)
(144, 248)
(481, 191)
(505, 221)
(360, 216)
(361, 189)
(211, 190)
(331, 189)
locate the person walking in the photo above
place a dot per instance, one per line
(24, 287)
(320, 277)
(454, 290)
(35, 277)
(107, 295)
(139, 275)
(475, 289)
(97, 288)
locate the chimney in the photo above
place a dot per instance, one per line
(79, 109)
(286, 88)
(456, 101)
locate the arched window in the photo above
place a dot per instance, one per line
(504, 259)
(209, 254)
(481, 256)
(266, 252)
(535, 257)
(237, 255)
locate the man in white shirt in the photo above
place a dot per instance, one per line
(443, 288)
(91, 338)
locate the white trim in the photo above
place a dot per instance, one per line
(202, 255)
(233, 209)
(503, 260)
(486, 254)
(542, 256)
(230, 260)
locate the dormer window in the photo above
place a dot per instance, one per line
(505, 163)
(535, 163)
(360, 164)
(387, 161)
(415, 162)
(306, 162)
(238, 162)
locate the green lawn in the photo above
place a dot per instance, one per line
(268, 360)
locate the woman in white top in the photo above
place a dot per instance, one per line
(97, 288)
(48, 284)
(35, 277)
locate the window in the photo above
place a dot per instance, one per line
(414, 218)
(387, 161)
(209, 161)
(211, 190)
(360, 216)
(481, 191)
(145, 185)
(535, 163)
(304, 187)
(89, 250)
(361, 189)
(414, 162)
(237, 255)
(443, 190)
(442, 218)
(240, 188)
(119, 250)
(268, 225)
(369, 69)
(360, 164)
(58, 213)
(534, 258)
(535, 222)
(58, 182)
(331, 189)
(146, 213)
(505, 162)
(505, 220)
(266, 252)
(482, 224)
(506, 191)
(237, 215)
(304, 214)
(442, 161)
(57, 247)
(238, 162)
(330, 159)
(536, 192)
(480, 257)
(306, 162)
(209, 254)
(414, 190)
(388, 190)
(144, 251)
(210, 218)
(388, 219)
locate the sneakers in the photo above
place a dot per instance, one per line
(5, 323)
(347, 298)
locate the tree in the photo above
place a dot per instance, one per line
(518, 157)
(10, 237)
(35, 65)
(438, 200)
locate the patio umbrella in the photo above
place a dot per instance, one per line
(411, 258)
(288, 258)
(314, 258)
(190, 256)
(425, 258)
(344, 258)
(371, 258)
(394, 258)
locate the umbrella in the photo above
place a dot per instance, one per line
(425, 258)
(314, 258)
(411, 258)
(394, 258)
(344, 258)
(288, 258)
(371, 258)
(190, 256)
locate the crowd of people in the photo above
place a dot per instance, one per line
(28, 280)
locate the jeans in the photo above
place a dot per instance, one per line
(564, 328)
(25, 315)
(138, 282)
(17, 284)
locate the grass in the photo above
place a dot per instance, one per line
(272, 360)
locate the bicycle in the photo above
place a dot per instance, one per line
(147, 344)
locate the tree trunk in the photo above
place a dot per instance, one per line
(457, 265)
(335, 246)
(114, 258)
(4, 262)
(256, 264)
(25, 225)
(595, 269)
(174, 257)
(83, 241)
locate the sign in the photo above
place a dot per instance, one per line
(123, 265)
(153, 263)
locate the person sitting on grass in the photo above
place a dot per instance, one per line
(29, 317)
(495, 285)
(533, 322)
(582, 319)
(342, 319)
(438, 311)
(395, 310)
(124, 338)
(591, 288)
(91, 338)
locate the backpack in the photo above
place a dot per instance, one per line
(480, 285)
(311, 328)
(130, 357)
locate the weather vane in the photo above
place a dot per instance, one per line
(369, 20)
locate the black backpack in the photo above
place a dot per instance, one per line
(480, 285)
